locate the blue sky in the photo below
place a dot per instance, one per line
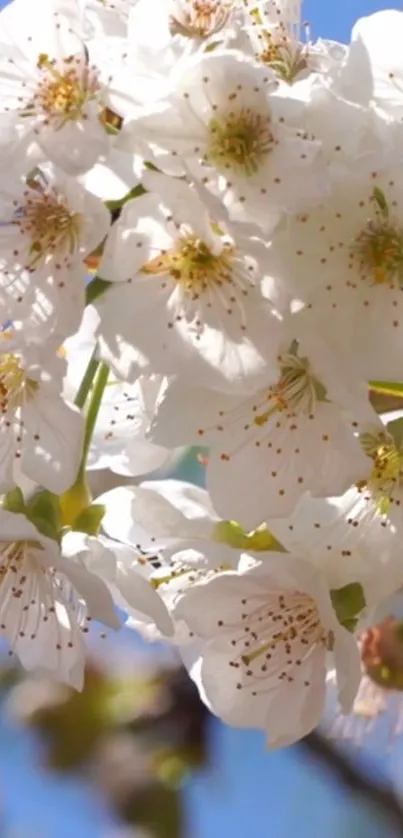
(334, 18)
(248, 790)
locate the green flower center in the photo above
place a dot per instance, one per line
(193, 265)
(49, 224)
(387, 473)
(378, 249)
(297, 389)
(14, 384)
(63, 91)
(240, 141)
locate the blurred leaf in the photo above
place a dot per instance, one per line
(157, 809)
(73, 727)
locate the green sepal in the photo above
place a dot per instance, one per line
(14, 501)
(348, 603)
(95, 289)
(395, 428)
(43, 510)
(134, 193)
(90, 519)
(260, 540)
(231, 534)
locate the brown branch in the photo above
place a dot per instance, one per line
(345, 769)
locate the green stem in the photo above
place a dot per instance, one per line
(77, 499)
(87, 382)
(92, 413)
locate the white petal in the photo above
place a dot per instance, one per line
(163, 510)
(52, 454)
(90, 587)
(348, 668)
(138, 594)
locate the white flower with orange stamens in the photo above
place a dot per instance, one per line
(49, 224)
(265, 634)
(46, 599)
(225, 122)
(344, 260)
(188, 290)
(37, 426)
(296, 433)
(50, 92)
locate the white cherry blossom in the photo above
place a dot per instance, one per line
(38, 428)
(280, 41)
(344, 260)
(49, 224)
(266, 633)
(177, 536)
(357, 537)
(197, 281)
(46, 600)
(49, 90)
(226, 124)
(297, 432)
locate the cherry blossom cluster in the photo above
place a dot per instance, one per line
(201, 244)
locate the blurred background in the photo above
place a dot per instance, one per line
(137, 755)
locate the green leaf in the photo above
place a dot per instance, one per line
(348, 603)
(90, 520)
(14, 501)
(43, 510)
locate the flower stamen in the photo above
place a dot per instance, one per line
(240, 141)
(193, 265)
(378, 248)
(386, 477)
(199, 18)
(44, 218)
(64, 89)
(275, 635)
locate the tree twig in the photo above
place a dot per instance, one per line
(346, 770)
